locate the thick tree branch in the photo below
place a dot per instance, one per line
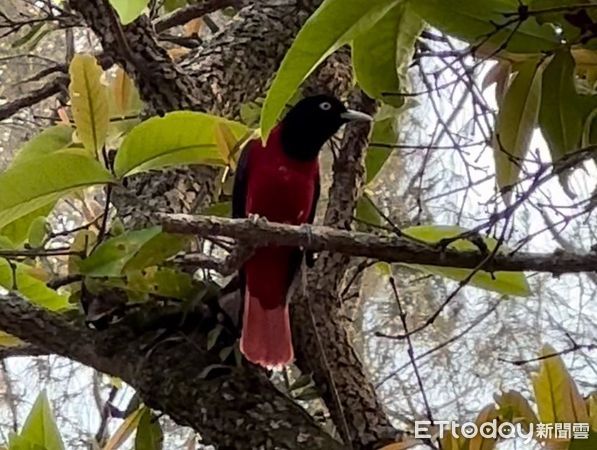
(190, 12)
(238, 409)
(383, 248)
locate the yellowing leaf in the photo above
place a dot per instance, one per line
(478, 442)
(514, 408)
(227, 143)
(7, 340)
(556, 394)
(182, 137)
(334, 24)
(123, 91)
(89, 99)
(592, 403)
(515, 124)
(125, 429)
(381, 56)
(509, 283)
(32, 184)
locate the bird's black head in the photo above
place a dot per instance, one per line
(311, 122)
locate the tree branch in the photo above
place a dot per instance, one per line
(52, 88)
(383, 248)
(183, 15)
(237, 409)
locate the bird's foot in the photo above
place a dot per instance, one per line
(256, 218)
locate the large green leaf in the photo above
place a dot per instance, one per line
(181, 137)
(89, 99)
(516, 122)
(509, 283)
(40, 430)
(334, 24)
(149, 432)
(130, 251)
(19, 230)
(48, 141)
(32, 184)
(384, 132)
(475, 22)
(381, 56)
(32, 288)
(129, 10)
(563, 110)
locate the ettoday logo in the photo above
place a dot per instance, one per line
(424, 429)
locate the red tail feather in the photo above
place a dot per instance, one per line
(266, 338)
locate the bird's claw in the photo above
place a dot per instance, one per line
(256, 218)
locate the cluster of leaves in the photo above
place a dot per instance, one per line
(540, 49)
(70, 158)
(40, 431)
(557, 401)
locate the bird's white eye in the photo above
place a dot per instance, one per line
(326, 106)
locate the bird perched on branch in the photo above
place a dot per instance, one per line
(280, 182)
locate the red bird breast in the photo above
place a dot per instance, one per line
(280, 188)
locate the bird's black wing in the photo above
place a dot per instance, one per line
(239, 191)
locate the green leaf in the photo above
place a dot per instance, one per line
(130, 251)
(156, 250)
(149, 432)
(129, 10)
(221, 209)
(509, 283)
(33, 30)
(171, 5)
(384, 132)
(38, 231)
(163, 282)
(563, 110)
(182, 137)
(381, 56)
(367, 213)
(40, 429)
(19, 230)
(89, 99)
(515, 124)
(334, 24)
(47, 142)
(474, 21)
(32, 288)
(55, 175)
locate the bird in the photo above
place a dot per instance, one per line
(279, 181)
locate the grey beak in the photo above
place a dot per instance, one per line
(357, 116)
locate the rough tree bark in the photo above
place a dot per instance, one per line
(232, 68)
